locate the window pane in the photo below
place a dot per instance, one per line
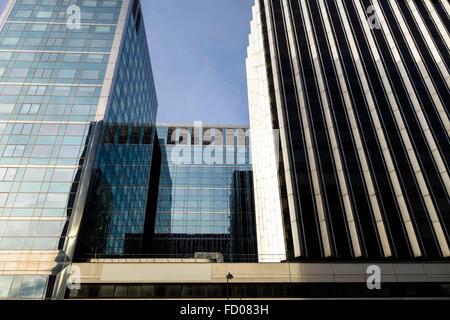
(17, 228)
(34, 174)
(55, 200)
(63, 175)
(33, 287)
(43, 151)
(5, 285)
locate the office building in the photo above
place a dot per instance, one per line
(205, 193)
(358, 94)
(197, 202)
(77, 104)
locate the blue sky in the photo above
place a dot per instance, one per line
(198, 50)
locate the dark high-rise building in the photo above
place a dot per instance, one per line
(358, 92)
(77, 114)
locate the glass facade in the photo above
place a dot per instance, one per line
(61, 90)
(205, 193)
(115, 214)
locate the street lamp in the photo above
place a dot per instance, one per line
(229, 277)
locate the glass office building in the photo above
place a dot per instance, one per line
(359, 94)
(205, 193)
(77, 102)
(114, 219)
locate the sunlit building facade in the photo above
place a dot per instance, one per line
(67, 82)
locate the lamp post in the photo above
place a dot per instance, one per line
(229, 277)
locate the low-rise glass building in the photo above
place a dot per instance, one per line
(205, 193)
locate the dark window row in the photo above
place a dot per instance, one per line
(259, 290)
